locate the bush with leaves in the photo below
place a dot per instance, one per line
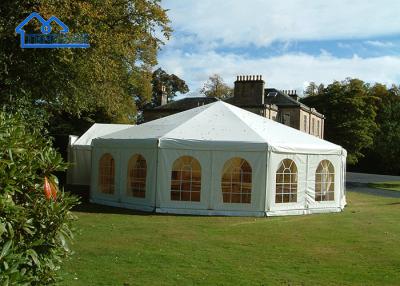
(34, 224)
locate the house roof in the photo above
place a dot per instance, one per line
(184, 104)
(282, 100)
(219, 126)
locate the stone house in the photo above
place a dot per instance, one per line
(251, 94)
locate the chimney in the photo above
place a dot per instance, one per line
(249, 90)
(293, 94)
(164, 96)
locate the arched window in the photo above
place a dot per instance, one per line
(137, 170)
(107, 174)
(286, 182)
(325, 182)
(186, 179)
(236, 181)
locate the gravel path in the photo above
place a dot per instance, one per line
(358, 182)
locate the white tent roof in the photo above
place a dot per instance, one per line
(98, 130)
(221, 126)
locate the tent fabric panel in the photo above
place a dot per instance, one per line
(257, 162)
(98, 130)
(313, 163)
(79, 171)
(126, 143)
(343, 201)
(281, 137)
(157, 128)
(166, 159)
(220, 123)
(150, 155)
(302, 211)
(216, 124)
(275, 160)
(299, 148)
(191, 144)
(95, 193)
(306, 167)
(70, 172)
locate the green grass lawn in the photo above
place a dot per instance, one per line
(360, 246)
(391, 186)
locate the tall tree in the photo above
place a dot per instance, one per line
(350, 112)
(109, 78)
(172, 84)
(385, 154)
(313, 89)
(215, 87)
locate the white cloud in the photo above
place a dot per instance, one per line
(207, 27)
(291, 71)
(379, 44)
(260, 22)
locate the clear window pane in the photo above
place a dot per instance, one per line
(107, 174)
(137, 172)
(236, 181)
(324, 182)
(286, 182)
(186, 179)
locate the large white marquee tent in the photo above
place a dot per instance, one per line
(79, 152)
(218, 159)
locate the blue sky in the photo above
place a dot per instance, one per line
(290, 43)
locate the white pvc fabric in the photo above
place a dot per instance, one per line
(213, 134)
(79, 152)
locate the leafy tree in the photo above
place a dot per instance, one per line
(35, 217)
(215, 87)
(313, 89)
(172, 84)
(109, 78)
(350, 112)
(385, 153)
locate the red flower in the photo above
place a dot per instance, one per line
(50, 188)
(47, 188)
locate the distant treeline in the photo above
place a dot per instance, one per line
(364, 119)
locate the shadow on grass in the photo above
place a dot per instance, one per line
(87, 207)
(393, 204)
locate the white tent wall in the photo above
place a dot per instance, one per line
(257, 161)
(96, 195)
(121, 198)
(306, 168)
(79, 152)
(72, 170)
(80, 168)
(166, 158)
(211, 203)
(213, 134)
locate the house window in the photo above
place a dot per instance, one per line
(236, 181)
(312, 125)
(137, 170)
(318, 129)
(186, 179)
(107, 174)
(286, 182)
(305, 123)
(325, 182)
(286, 119)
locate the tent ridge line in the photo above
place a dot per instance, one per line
(205, 107)
(245, 123)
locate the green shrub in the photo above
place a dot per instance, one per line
(33, 229)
